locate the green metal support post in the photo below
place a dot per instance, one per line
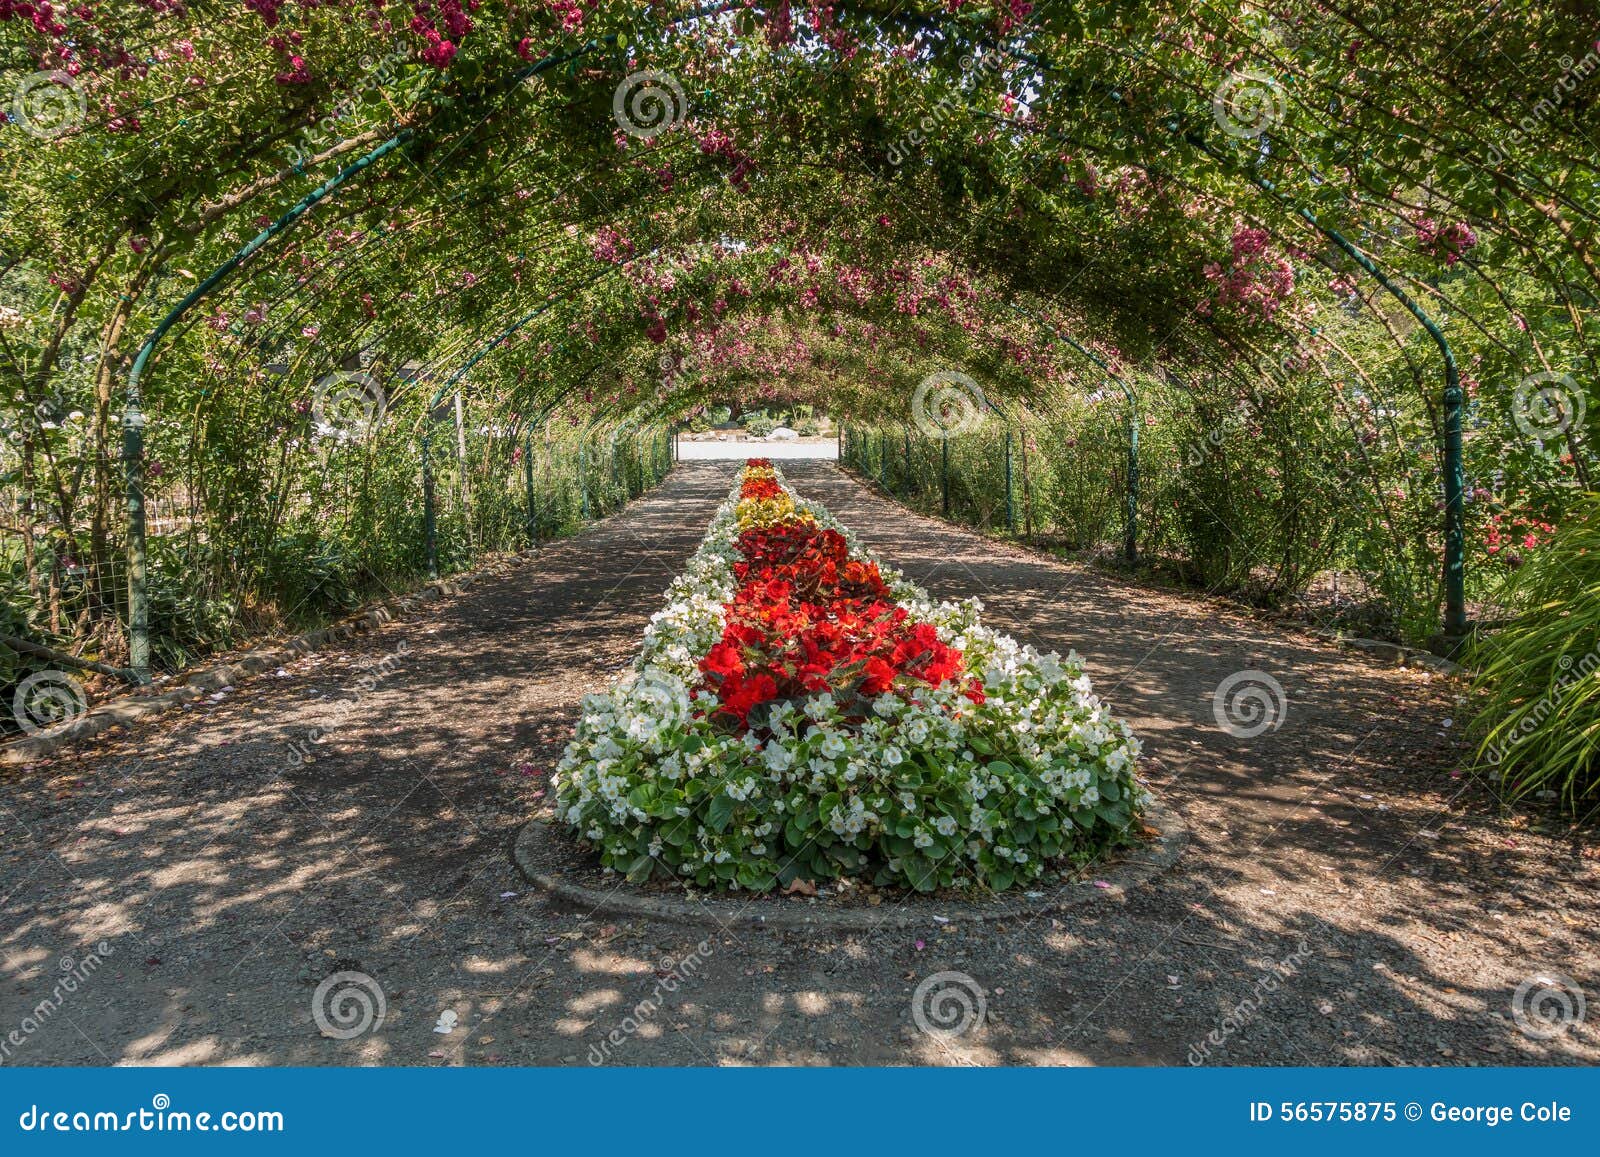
(1011, 511)
(583, 481)
(133, 417)
(944, 475)
(430, 533)
(527, 477)
(1455, 536)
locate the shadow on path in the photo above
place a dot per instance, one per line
(231, 864)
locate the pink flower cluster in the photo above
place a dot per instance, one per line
(1446, 242)
(571, 13)
(780, 25)
(1011, 13)
(296, 71)
(716, 143)
(428, 15)
(1255, 282)
(610, 246)
(267, 8)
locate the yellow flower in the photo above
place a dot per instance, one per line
(768, 512)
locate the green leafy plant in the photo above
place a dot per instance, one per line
(1539, 722)
(759, 423)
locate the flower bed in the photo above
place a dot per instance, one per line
(800, 710)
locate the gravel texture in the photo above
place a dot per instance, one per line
(1347, 897)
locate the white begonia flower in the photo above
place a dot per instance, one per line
(819, 706)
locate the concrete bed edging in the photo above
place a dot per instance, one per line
(1113, 882)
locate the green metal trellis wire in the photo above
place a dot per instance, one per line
(133, 419)
(527, 476)
(429, 519)
(612, 448)
(1130, 540)
(1455, 535)
(1455, 615)
(1011, 510)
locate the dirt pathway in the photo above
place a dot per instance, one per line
(1334, 907)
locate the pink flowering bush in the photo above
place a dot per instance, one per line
(1254, 281)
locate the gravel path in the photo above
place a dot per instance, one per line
(1345, 900)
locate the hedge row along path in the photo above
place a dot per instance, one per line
(229, 883)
